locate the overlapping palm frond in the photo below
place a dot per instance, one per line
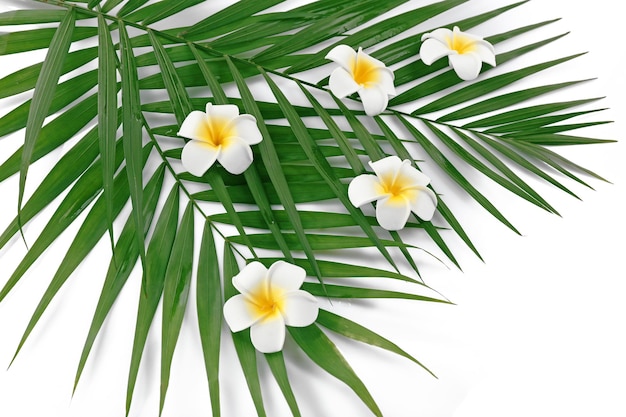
(117, 107)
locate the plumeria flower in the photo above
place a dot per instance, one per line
(269, 300)
(220, 134)
(360, 73)
(398, 190)
(465, 52)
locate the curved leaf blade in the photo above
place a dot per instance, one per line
(209, 307)
(321, 350)
(44, 93)
(175, 294)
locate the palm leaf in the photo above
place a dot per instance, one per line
(267, 57)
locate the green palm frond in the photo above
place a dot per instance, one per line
(112, 112)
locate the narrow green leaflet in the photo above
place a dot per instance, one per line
(26, 78)
(523, 115)
(162, 10)
(302, 192)
(175, 294)
(321, 350)
(44, 93)
(209, 306)
(344, 291)
(66, 93)
(157, 256)
(110, 5)
(355, 331)
(311, 220)
(30, 40)
(503, 101)
(130, 6)
(332, 269)
(276, 362)
(317, 242)
(69, 168)
(107, 113)
(230, 17)
(179, 99)
(132, 134)
(30, 17)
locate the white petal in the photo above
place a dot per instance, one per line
(374, 100)
(473, 38)
(236, 156)
(424, 204)
(342, 55)
(247, 129)
(466, 66)
(250, 278)
(393, 212)
(433, 49)
(486, 53)
(197, 157)
(341, 83)
(195, 126)
(300, 309)
(364, 189)
(417, 178)
(286, 276)
(387, 167)
(365, 56)
(386, 81)
(222, 111)
(238, 313)
(442, 34)
(268, 336)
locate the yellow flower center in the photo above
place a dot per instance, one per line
(364, 71)
(399, 188)
(217, 132)
(267, 303)
(461, 43)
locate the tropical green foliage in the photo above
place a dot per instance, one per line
(118, 105)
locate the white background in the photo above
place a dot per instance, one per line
(537, 330)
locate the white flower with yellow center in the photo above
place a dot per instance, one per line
(269, 300)
(220, 134)
(398, 190)
(465, 52)
(360, 73)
